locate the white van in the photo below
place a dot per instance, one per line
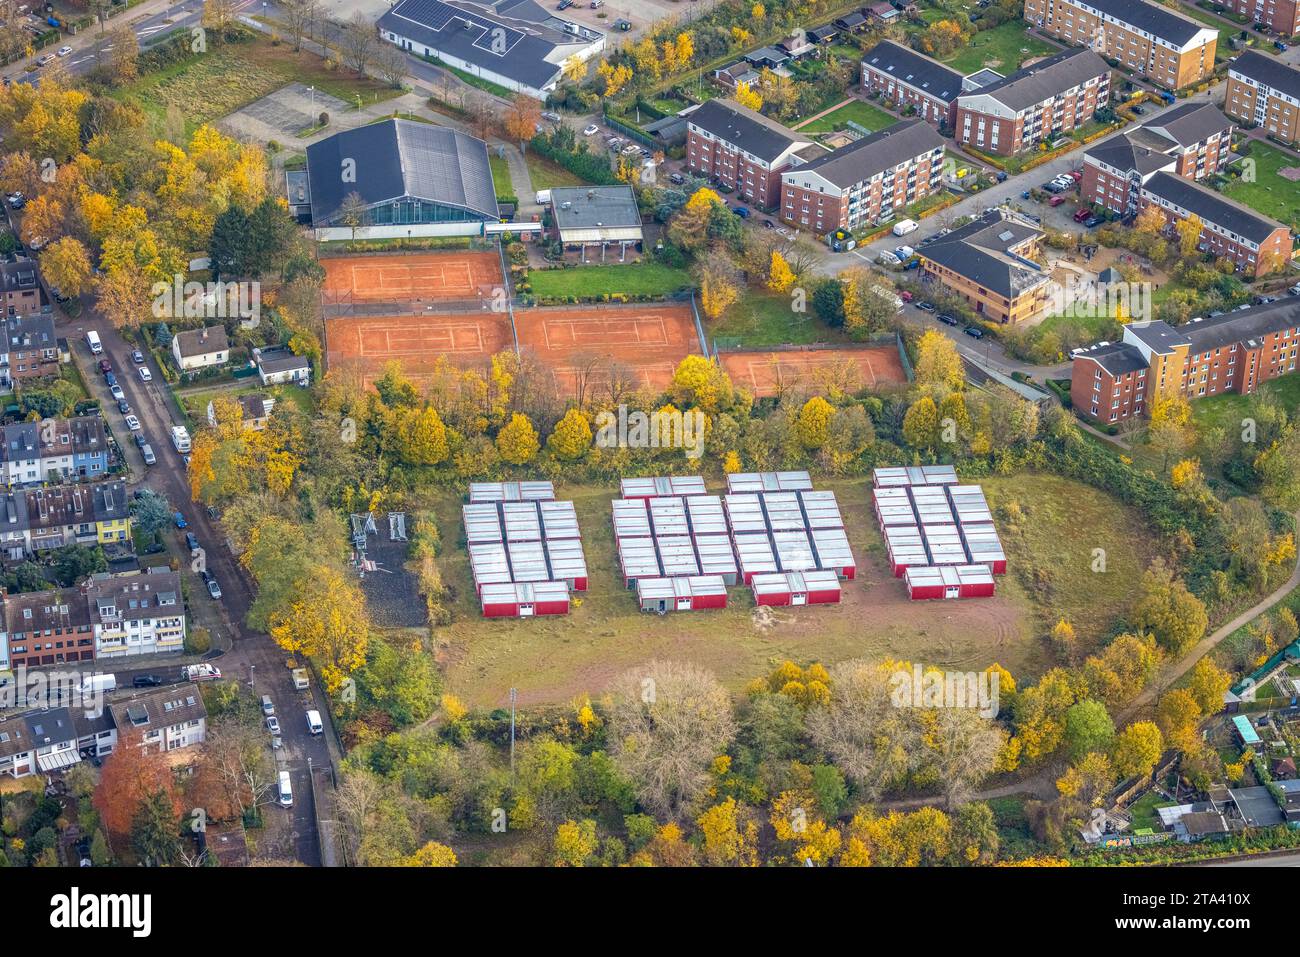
(313, 722)
(286, 790)
(98, 683)
(96, 347)
(903, 227)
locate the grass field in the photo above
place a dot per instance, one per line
(590, 282)
(546, 174)
(860, 112)
(761, 318)
(553, 660)
(196, 403)
(1004, 48)
(1144, 808)
(500, 175)
(208, 87)
(1270, 193)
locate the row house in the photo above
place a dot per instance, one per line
(1280, 16)
(47, 628)
(20, 289)
(164, 720)
(1151, 40)
(1255, 244)
(1193, 141)
(989, 263)
(53, 450)
(1018, 112)
(1235, 352)
(741, 149)
(908, 78)
(54, 739)
(1265, 92)
(137, 614)
(30, 349)
(869, 181)
(38, 519)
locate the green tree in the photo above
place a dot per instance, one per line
(813, 426)
(151, 512)
(1088, 727)
(1175, 616)
(921, 424)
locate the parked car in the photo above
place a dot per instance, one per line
(1082, 213)
(145, 374)
(1092, 222)
(146, 452)
(146, 681)
(123, 406)
(105, 366)
(273, 724)
(975, 332)
(201, 672)
(108, 375)
(179, 520)
(1139, 110)
(590, 129)
(676, 179)
(64, 50)
(116, 392)
(268, 706)
(946, 319)
(925, 306)
(742, 211)
(137, 357)
(191, 541)
(214, 589)
(564, 4)
(140, 440)
(1056, 201)
(551, 117)
(133, 423)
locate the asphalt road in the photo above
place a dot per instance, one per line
(254, 657)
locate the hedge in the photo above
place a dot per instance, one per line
(591, 167)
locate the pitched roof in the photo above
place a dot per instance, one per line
(199, 342)
(154, 710)
(1157, 335)
(395, 159)
(30, 332)
(280, 359)
(929, 76)
(35, 729)
(56, 609)
(744, 128)
(1242, 326)
(1045, 79)
(982, 251)
(516, 39)
(1124, 152)
(1212, 207)
(18, 276)
(123, 596)
(1155, 19)
(1189, 123)
(876, 153)
(1269, 71)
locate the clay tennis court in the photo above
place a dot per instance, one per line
(412, 277)
(648, 340)
(770, 373)
(416, 341)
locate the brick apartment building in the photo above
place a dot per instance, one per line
(30, 349)
(20, 288)
(1053, 96)
(989, 263)
(1151, 40)
(1255, 243)
(46, 628)
(1280, 16)
(743, 150)
(869, 181)
(1113, 381)
(1193, 141)
(1262, 91)
(908, 78)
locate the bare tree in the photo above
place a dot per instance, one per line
(298, 18)
(358, 41)
(236, 751)
(390, 61)
(219, 14)
(964, 749)
(667, 722)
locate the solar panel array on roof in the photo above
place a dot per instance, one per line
(521, 535)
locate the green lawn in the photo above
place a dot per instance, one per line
(761, 318)
(591, 282)
(209, 86)
(1143, 810)
(1270, 193)
(1003, 49)
(500, 175)
(859, 111)
(546, 174)
(196, 403)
